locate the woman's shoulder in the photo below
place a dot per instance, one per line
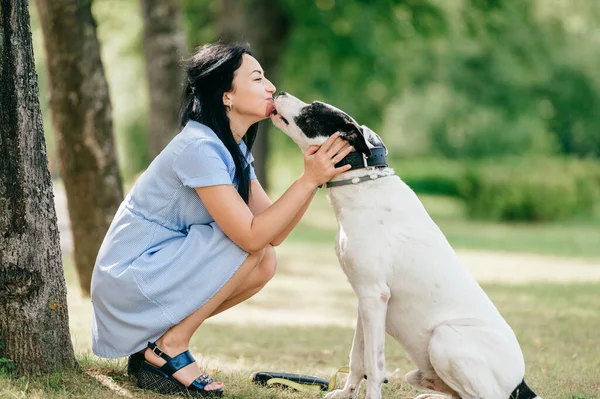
(204, 139)
(199, 136)
(197, 139)
(194, 131)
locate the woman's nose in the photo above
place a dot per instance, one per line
(271, 88)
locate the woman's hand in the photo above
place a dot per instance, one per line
(319, 161)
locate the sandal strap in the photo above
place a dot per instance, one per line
(202, 381)
(157, 351)
(178, 362)
(173, 364)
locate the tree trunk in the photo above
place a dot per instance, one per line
(34, 322)
(81, 115)
(264, 25)
(164, 47)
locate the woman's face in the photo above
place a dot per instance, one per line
(252, 93)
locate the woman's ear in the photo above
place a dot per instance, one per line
(352, 133)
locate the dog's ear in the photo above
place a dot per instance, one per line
(373, 138)
(354, 135)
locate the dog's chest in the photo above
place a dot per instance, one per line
(365, 249)
(379, 227)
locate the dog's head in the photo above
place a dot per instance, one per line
(312, 124)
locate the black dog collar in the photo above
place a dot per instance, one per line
(358, 161)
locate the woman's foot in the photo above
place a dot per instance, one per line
(186, 375)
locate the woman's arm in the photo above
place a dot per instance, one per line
(260, 201)
(254, 232)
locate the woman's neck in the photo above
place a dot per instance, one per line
(239, 126)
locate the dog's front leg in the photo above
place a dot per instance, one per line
(357, 366)
(373, 307)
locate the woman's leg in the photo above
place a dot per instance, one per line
(177, 338)
(255, 281)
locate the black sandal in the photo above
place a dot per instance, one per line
(161, 380)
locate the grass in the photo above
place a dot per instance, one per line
(556, 325)
(302, 322)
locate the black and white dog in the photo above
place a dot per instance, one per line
(408, 279)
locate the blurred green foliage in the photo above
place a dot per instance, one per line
(531, 189)
(120, 33)
(508, 78)
(352, 53)
(461, 80)
(431, 175)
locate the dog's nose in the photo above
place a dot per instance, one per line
(282, 93)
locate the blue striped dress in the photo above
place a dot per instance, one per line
(164, 256)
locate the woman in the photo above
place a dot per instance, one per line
(195, 235)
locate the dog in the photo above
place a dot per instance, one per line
(409, 281)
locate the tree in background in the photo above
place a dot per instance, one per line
(164, 47)
(265, 26)
(34, 324)
(81, 115)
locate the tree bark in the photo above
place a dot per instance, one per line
(164, 47)
(34, 323)
(82, 119)
(265, 25)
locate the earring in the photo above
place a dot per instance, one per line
(229, 107)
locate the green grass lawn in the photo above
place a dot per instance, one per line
(557, 326)
(302, 321)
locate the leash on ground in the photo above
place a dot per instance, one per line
(299, 382)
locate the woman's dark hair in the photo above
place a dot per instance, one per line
(209, 75)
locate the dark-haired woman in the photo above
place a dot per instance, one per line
(195, 235)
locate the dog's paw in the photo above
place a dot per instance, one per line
(434, 396)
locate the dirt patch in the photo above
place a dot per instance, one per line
(500, 267)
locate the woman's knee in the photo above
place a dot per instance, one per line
(257, 257)
(267, 265)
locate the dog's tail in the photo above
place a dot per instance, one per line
(522, 391)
